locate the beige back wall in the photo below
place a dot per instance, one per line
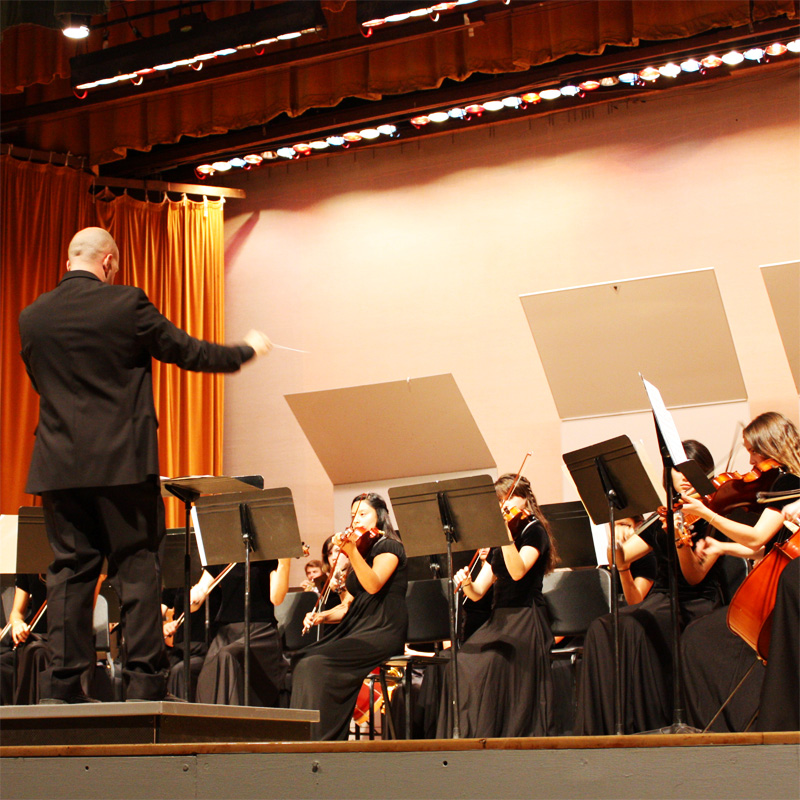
(408, 260)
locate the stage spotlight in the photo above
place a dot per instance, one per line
(75, 26)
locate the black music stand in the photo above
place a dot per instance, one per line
(612, 482)
(467, 512)
(674, 457)
(187, 490)
(25, 547)
(244, 527)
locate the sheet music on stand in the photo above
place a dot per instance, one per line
(673, 456)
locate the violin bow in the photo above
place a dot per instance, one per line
(213, 585)
(326, 589)
(36, 617)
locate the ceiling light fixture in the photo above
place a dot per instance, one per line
(75, 26)
(190, 45)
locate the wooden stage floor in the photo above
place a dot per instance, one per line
(703, 766)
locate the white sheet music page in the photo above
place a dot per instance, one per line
(198, 536)
(665, 423)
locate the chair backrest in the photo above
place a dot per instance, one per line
(576, 597)
(290, 614)
(428, 611)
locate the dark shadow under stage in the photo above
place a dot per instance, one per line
(174, 750)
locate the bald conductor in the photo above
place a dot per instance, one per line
(88, 348)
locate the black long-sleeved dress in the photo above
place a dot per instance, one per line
(327, 675)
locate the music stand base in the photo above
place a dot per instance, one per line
(676, 727)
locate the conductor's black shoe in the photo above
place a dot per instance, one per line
(67, 701)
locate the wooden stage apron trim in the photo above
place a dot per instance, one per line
(409, 746)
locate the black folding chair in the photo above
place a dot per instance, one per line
(428, 623)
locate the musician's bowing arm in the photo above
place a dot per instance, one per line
(332, 615)
(752, 536)
(200, 590)
(279, 582)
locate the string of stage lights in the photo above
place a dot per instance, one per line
(643, 78)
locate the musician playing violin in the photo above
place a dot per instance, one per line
(715, 659)
(769, 436)
(645, 630)
(328, 674)
(504, 679)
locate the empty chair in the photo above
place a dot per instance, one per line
(574, 599)
(428, 623)
(290, 614)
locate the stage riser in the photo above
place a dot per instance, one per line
(149, 730)
(685, 773)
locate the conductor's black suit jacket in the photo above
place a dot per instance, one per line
(88, 348)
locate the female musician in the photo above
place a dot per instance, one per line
(328, 674)
(645, 634)
(715, 660)
(221, 679)
(31, 656)
(504, 679)
(335, 562)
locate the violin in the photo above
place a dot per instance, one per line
(683, 523)
(741, 491)
(363, 539)
(363, 543)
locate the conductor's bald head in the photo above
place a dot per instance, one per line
(94, 250)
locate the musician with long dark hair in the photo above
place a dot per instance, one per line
(715, 659)
(372, 621)
(504, 679)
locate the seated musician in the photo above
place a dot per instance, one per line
(645, 632)
(715, 659)
(504, 678)
(221, 679)
(372, 621)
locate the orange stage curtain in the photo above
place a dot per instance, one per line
(513, 40)
(172, 250)
(43, 206)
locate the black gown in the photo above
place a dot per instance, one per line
(505, 684)
(645, 632)
(327, 675)
(221, 679)
(715, 661)
(33, 657)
